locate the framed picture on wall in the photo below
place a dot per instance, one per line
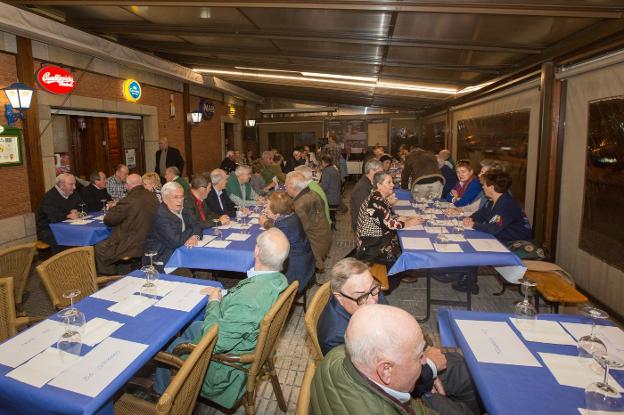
(11, 147)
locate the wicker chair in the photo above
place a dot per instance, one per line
(69, 270)
(9, 323)
(320, 299)
(181, 394)
(303, 402)
(261, 359)
(16, 262)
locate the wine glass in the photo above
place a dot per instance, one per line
(590, 343)
(239, 214)
(104, 205)
(441, 238)
(73, 321)
(82, 206)
(600, 396)
(151, 255)
(524, 309)
(215, 229)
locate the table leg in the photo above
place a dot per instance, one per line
(428, 299)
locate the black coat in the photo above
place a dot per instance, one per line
(54, 208)
(174, 158)
(228, 165)
(93, 197)
(212, 201)
(300, 265)
(165, 235)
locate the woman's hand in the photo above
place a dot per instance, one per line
(413, 220)
(392, 199)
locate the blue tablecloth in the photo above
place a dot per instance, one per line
(154, 327)
(419, 259)
(237, 256)
(80, 235)
(511, 389)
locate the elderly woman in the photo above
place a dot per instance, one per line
(151, 181)
(280, 213)
(377, 225)
(467, 188)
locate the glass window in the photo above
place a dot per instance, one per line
(502, 137)
(433, 136)
(601, 230)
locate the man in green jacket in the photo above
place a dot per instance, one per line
(376, 369)
(238, 186)
(172, 174)
(238, 315)
(271, 169)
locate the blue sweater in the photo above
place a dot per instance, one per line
(505, 220)
(469, 196)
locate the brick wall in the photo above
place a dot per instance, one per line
(206, 139)
(14, 192)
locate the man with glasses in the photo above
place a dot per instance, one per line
(353, 287)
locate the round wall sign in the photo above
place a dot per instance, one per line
(132, 90)
(55, 80)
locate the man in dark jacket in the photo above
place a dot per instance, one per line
(172, 227)
(362, 188)
(130, 221)
(352, 288)
(94, 194)
(218, 201)
(167, 157)
(195, 205)
(58, 204)
(418, 163)
(230, 162)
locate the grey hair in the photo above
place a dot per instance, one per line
(297, 179)
(94, 177)
(62, 177)
(169, 188)
(267, 155)
(242, 169)
(378, 178)
(493, 164)
(306, 171)
(174, 170)
(229, 153)
(343, 270)
(199, 180)
(270, 248)
(372, 164)
(216, 176)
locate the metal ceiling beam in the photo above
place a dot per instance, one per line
(124, 28)
(516, 9)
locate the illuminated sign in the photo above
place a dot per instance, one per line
(231, 109)
(55, 80)
(131, 90)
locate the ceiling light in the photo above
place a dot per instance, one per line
(246, 68)
(419, 88)
(349, 77)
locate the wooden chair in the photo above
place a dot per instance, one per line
(71, 269)
(303, 402)
(16, 262)
(261, 359)
(320, 299)
(9, 323)
(181, 394)
(554, 285)
(380, 273)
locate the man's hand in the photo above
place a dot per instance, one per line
(73, 214)
(438, 387)
(246, 211)
(224, 219)
(468, 223)
(213, 293)
(437, 357)
(192, 241)
(111, 204)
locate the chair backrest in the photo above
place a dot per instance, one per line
(7, 309)
(315, 308)
(431, 183)
(16, 262)
(181, 395)
(270, 328)
(69, 270)
(303, 402)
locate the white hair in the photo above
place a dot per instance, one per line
(62, 177)
(297, 180)
(216, 176)
(273, 248)
(372, 164)
(229, 153)
(242, 169)
(306, 171)
(169, 188)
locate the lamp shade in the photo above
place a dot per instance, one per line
(250, 123)
(196, 117)
(20, 95)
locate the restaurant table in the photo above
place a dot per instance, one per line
(69, 234)
(512, 389)
(508, 264)
(154, 327)
(237, 256)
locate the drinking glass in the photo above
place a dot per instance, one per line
(104, 205)
(151, 255)
(215, 229)
(590, 344)
(600, 396)
(524, 309)
(82, 206)
(441, 238)
(239, 214)
(73, 321)
(151, 276)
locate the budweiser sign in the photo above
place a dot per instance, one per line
(56, 80)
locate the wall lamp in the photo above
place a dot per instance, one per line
(250, 123)
(20, 97)
(194, 117)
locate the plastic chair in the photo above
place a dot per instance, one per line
(316, 307)
(303, 402)
(181, 394)
(16, 262)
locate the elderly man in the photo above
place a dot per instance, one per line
(130, 221)
(296, 160)
(377, 368)
(95, 195)
(166, 157)
(331, 182)
(353, 287)
(116, 184)
(362, 189)
(314, 186)
(217, 200)
(418, 163)
(59, 203)
(238, 186)
(172, 174)
(270, 168)
(194, 203)
(172, 227)
(230, 162)
(310, 210)
(238, 315)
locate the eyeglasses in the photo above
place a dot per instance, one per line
(360, 300)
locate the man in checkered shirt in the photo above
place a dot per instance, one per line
(116, 184)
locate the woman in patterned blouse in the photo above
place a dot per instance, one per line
(376, 225)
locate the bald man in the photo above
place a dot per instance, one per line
(377, 368)
(130, 221)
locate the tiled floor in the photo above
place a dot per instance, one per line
(293, 351)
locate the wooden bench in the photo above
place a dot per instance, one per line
(554, 289)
